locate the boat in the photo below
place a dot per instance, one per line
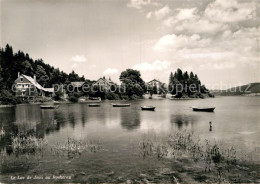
(121, 105)
(148, 108)
(94, 105)
(204, 109)
(90, 100)
(49, 106)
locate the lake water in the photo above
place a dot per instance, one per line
(236, 122)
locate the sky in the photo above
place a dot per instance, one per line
(216, 39)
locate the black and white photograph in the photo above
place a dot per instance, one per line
(129, 91)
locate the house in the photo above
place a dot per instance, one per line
(154, 83)
(106, 83)
(26, 86)
(78, 86)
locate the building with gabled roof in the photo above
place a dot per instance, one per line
(106, 83)
(26, 86)
(77, 84)
(155, 83)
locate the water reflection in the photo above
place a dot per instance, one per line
(83, 118)
(104, 121)
(182, 121)
(8, 128)
(130, 118)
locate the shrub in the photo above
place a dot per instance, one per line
(73, 99)
(112, 96)
(7, 98)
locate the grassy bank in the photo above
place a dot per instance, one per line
(181, 157)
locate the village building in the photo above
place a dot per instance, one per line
(154, 83)
(105, 83)
(26, 86)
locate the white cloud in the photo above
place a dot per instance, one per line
(92, 66)
(157, 65)
(138, 3)
(217, 17)
(79, 58)
(217, 66)
(223, 52)
(159, 14)
(185, 14)
(74, 65)
(110, 71)
(201, 26)
(181, 15)
(225, 65)
(230, 11)
(174, 42)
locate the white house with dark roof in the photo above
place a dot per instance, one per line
(154, 83)
(26, 86)
(106, 83)
(77, 84)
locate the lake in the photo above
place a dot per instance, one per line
(235, 122)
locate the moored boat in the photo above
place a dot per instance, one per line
(148, 108)
(49, 106)
(94, 105)
(90, 100)
(121, 105)
(204, 109)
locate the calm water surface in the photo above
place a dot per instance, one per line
(236, 121)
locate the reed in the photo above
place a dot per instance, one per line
(27, 144)
(187, 144)
(72, 148)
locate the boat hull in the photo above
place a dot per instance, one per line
(121, 105)
(148, 108)
(49, 106)
(204, 109)
(94, 105)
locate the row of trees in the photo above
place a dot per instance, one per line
(132, 85)
(185, 84)
(11, 63)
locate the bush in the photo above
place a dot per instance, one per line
(112, 96)
(7, 98)
(73, 99)
(134, 97)
(56, 97)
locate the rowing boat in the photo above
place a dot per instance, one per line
(148, 108)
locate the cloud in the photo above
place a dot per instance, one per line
(173, 42)
(110, 71)
(191, 21)
(181, 14)
(74, 65)
(230, 11)
(92, 66)
(79, 58)
(215, 18)
(231, 49)
(138, 3)
(217, 66)
(159, 14)
(201, 26)
(157, 65)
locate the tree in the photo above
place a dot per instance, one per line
(41, 75)
(1, 79)
(133, 83)
(179, 75)
(184, 84)
(26, 68)
(73, 77)
(171, 80)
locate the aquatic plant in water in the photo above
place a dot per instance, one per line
(27, 144)
(72, 148)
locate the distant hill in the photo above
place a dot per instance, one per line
(249, 89)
